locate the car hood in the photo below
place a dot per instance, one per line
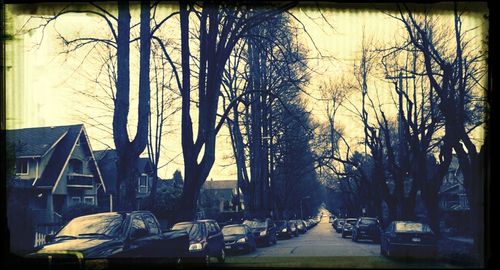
(80, 244)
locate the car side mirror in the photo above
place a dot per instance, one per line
(139, 233)
(49, 238)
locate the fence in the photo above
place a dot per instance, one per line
(42, 230)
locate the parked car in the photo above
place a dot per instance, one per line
(408, 239)
(332, 218)
(283, 229)
(205, 240)
(337, 224)
(111, 235)
(238, 237)
(347, 227)
(366, 228)
(294, 227)
(301, 225)
(263, 230)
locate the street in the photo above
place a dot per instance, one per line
(322, 247)
(321, 241)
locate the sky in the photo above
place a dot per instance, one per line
(43, 83)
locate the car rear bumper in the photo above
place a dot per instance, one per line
(412, 250)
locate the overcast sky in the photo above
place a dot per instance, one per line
(41, 82)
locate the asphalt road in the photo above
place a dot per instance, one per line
(321, 241)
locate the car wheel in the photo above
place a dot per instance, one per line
(222, 257)
(269, 241)
(275, 240)
(343, 235)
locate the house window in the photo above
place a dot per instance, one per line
(75, 166)
(88, 200)
(22, 166)
(76, 200)
(143, 183)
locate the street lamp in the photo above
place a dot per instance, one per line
(301, 212)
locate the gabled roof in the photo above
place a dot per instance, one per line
(36, 142)
(107, 164)
(62, 151)
(221, 184)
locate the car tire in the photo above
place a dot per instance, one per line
(206, 260)
(343, 235)
(269, 241)
(275, 240)
(222, 257)
(354, 238)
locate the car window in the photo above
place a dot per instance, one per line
(211, 228)
(152, 225)
(137, 224)
(108, 225)
(217, 228)
(367, 221)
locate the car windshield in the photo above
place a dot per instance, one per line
(412, 227)
(351, 221)
(100, 225)
(193, 229)
(233, 230)
(368, 221)
(255, 223)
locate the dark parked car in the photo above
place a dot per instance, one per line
(238, 237)
(294, 227)
(263, 230)
(366, 228)
(337, 224)
(347, 227)
(112, 235)
(283, 229)
(301, 226)
(205, 239)
(408, 239)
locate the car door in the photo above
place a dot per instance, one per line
(212, 239)
(136, 237)
(218, 237)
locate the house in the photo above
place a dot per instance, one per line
(107, 163)
(54, 169)
(219, 196)
(453, 199)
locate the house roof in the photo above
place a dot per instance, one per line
(220, 184)
(107, 162)
(35, 142)
(61, 153)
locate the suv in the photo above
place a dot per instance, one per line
(205, 239)
(366, 228)
(263, 230)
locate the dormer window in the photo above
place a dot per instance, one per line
(75, 166)
(22, 166)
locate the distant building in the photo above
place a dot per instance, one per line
(453, 200)
(107, 163)
(54, 169)
(219, 196)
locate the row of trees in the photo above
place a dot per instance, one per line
(218, 45)
(440, 99)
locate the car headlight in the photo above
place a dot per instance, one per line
(284, 230)
(241, 240)
(263, 233)
(195, 246)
